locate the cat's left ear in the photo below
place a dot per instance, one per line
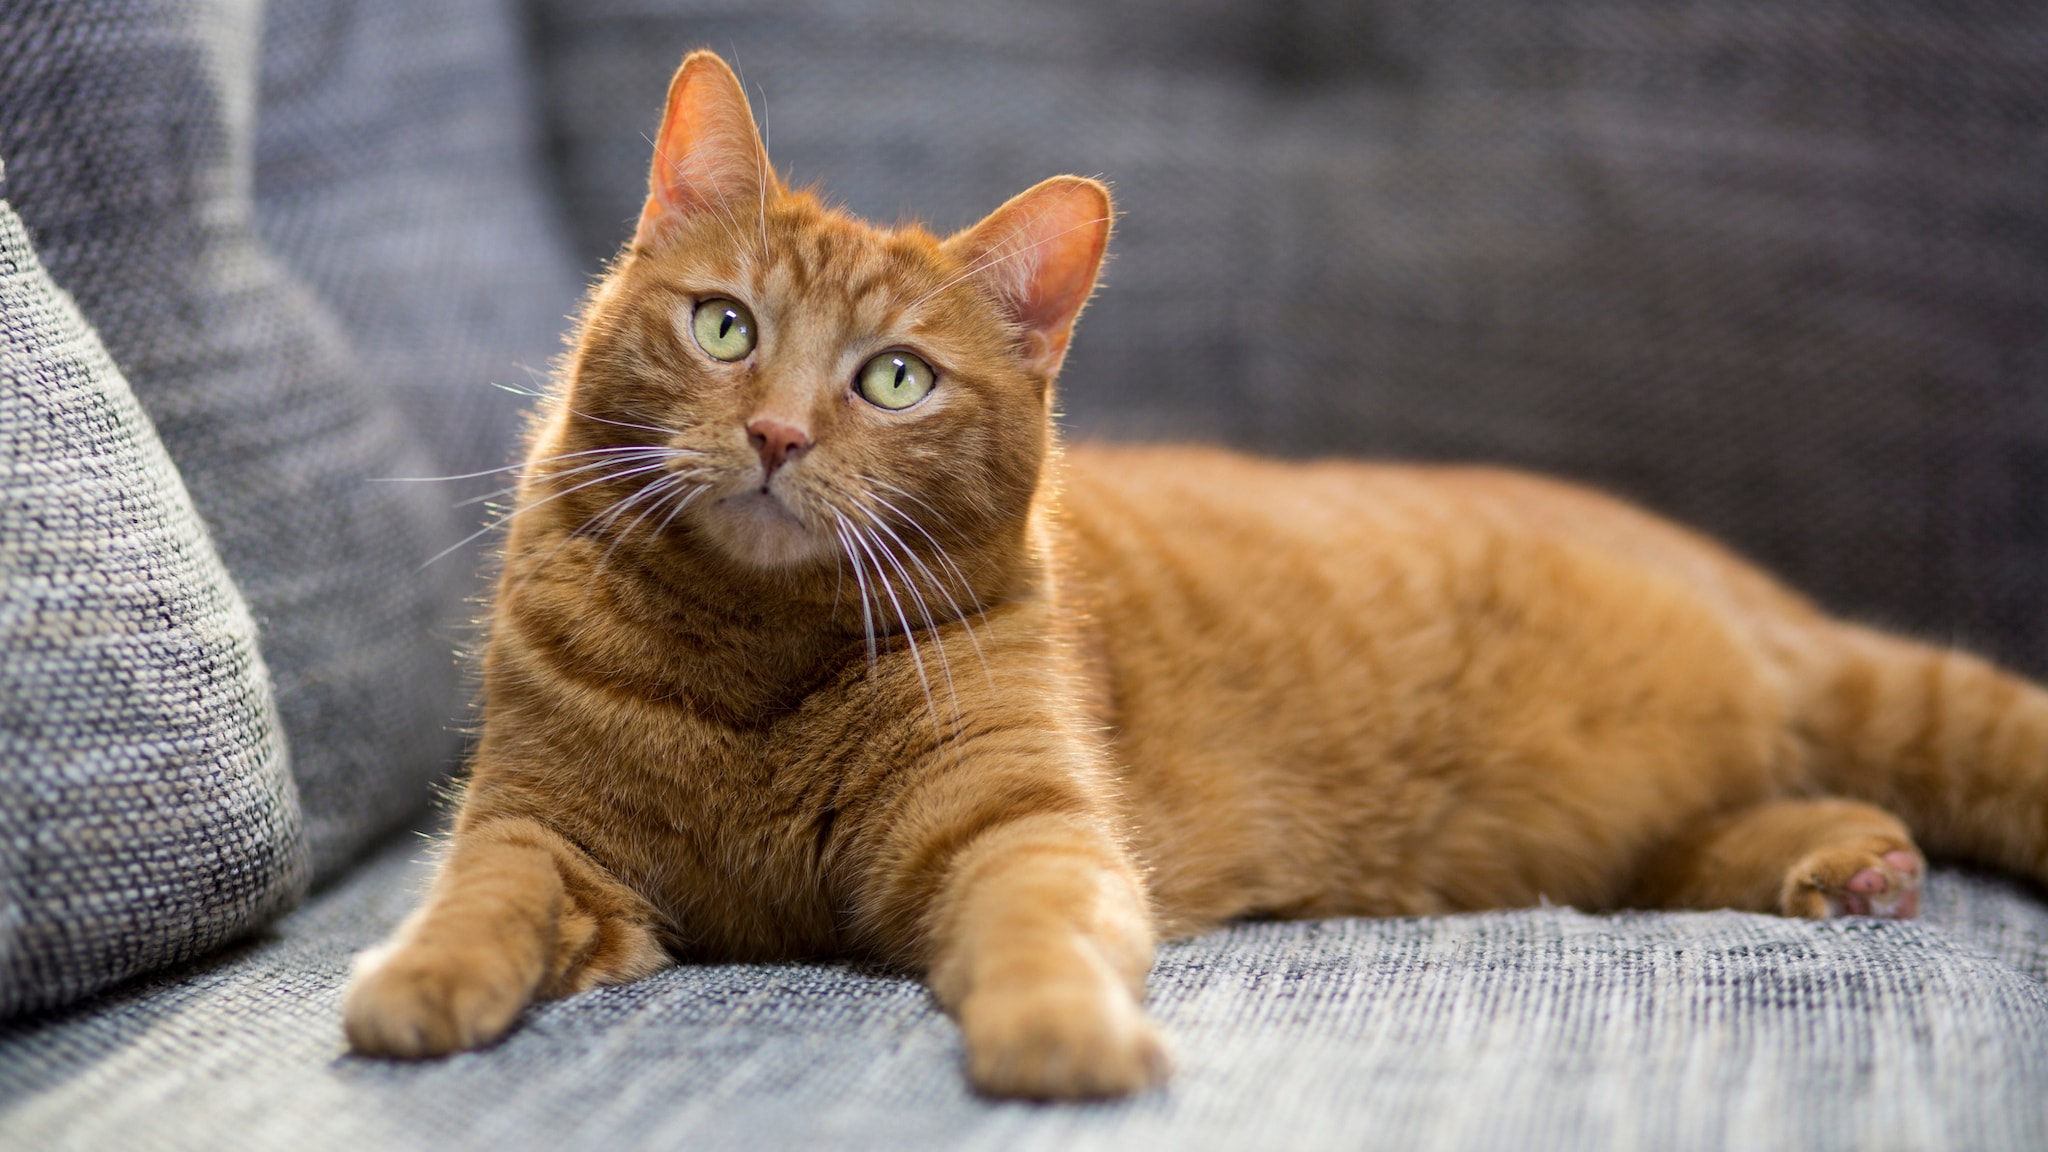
(1039, 254)
(708, 155)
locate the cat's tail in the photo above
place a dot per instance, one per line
(1954, 745)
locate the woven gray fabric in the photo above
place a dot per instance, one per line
(1542, 1029)
(147, 813)
(1778, 267)
(396, 170)
(126, 131)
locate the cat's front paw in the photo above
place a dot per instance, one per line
(1063, 1041)
(417, 1002)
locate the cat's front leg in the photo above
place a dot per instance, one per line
(1040, 941)
(515, 914)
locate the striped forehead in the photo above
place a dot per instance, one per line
(841, 271)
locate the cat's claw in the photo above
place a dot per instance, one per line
(1856, 880)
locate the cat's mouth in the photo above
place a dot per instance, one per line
(759, 526)
(763, 501)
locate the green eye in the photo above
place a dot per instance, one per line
(895, 380)
(724, 328)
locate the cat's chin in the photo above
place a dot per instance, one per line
(759, 530)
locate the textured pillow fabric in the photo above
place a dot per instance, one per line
(1774, 266)
(397, 171)
(147, 812)
(126, 128)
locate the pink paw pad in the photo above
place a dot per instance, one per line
(1891, 892)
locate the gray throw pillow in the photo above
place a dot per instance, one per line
(147, 812)
(127, 126)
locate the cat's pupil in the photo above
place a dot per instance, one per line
(902, 370)
(725, 324)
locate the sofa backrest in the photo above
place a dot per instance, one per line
(1776, 267)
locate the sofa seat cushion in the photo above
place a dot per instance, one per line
(1543, 1028)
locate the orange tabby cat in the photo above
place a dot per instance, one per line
(810, 641)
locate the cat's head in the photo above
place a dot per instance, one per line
(798, 388)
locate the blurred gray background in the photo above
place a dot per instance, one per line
(1779, 269)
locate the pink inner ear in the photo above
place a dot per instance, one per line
(1040, 253)
(707, 154)
(1069, 258)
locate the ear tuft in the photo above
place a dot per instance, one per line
(1039, 255)
(707, 155)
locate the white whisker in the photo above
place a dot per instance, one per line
(1005, 252)
(660, 431)
(867, 620)
(627, 453)
(944, 559)
(660, 488)
(677, 171)
(608, 512)
(909, 633)
(931, 626)
(501, 521)
(551, 398)
(689, 499)
(761, 181)
(499, 470)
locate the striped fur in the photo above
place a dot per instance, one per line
(939, 693)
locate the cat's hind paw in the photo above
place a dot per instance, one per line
(1864, 877)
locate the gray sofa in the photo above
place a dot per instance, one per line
(1780, 269)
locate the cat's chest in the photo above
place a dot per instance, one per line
(750, 828)
(740, 835)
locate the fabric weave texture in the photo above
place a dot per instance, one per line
(397, 171)
(147, 812)
(127, 130)
(1538, 1029)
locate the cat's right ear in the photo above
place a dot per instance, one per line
(707, 156)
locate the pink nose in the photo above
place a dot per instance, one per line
(778, 443)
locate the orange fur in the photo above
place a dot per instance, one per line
(932, 690)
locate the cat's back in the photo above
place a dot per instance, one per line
(1334, 531)
(1291, 654)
